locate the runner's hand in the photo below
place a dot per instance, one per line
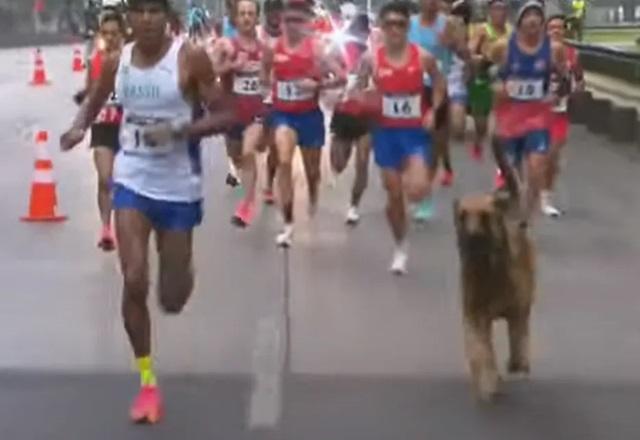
(71, 138)
(428, 121)
(308, 85)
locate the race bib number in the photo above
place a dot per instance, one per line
(111, 113)
(291, 91)
(246, 84)
(134, 141)
(401, 107)
(525, 90)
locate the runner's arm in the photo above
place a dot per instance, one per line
(364, 71)
(221, 56)
(98, 94)
(333, 74)
(438, 81)
(497, 56)
(455, 38)
(219, 105)
(266, 70)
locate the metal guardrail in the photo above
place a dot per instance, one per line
(609, 61)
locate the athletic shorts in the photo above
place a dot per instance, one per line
(309, 126)
(480, 97)
(392, 146)
(105, 135)
(456, 84)
(442, 113)
(559, 128)
(348, 127)
(534, 142)
(163, 215)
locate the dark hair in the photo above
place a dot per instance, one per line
(360, 23)
(556, 17)
(300, 5)
(273, 6)
(462, 9)
(166, 4)
(399, 7)
(256, 3)
(113, 16)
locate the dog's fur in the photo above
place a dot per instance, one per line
(497, 261)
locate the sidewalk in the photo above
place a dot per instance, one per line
(621, 93)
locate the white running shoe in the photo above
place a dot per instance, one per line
(285, 237)
(546, 206)
(353, 216)
(399, 262)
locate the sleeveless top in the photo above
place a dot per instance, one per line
(401, 90)
(170, 171)
(428, 37)
(289, 67)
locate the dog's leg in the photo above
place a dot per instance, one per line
(481, 358)
(519, 344)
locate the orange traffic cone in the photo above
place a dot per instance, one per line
(78, 65)
(39, 73)
(42, 207)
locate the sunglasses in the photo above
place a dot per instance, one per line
(399, 24)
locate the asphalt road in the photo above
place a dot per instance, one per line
(320, 342)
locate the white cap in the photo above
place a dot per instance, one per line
(348, 10)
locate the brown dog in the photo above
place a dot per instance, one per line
(497, 261)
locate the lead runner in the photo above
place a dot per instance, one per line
(157, 172)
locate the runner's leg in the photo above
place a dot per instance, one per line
(175, 271)
(103, 160)
(286, 141)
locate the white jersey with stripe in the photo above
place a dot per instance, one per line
(169, 171)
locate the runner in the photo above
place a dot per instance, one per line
(495, 30)
(437, 33)
(523, 99)
(299, 68)
(458, 74)
(271, 33)
(562, 86)
(349, 124)
(157, 172)
(401, 140)
(104, 131)
(239, 60)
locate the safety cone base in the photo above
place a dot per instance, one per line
(46, 219)
(40, 83)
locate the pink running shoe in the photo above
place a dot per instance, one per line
(499, 182)
(269, 197)
(107, 242)
(147, 406)
(244, 214)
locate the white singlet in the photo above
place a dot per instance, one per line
(170, 171)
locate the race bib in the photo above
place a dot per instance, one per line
(401, 106)
(111, 113)
(291, 91)
(247, 84)
(525, 90)
(133, 140)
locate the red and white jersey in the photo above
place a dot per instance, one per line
(244, 81)
(564, 86)
(111, 112)
(401, 89)
(290, 66)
